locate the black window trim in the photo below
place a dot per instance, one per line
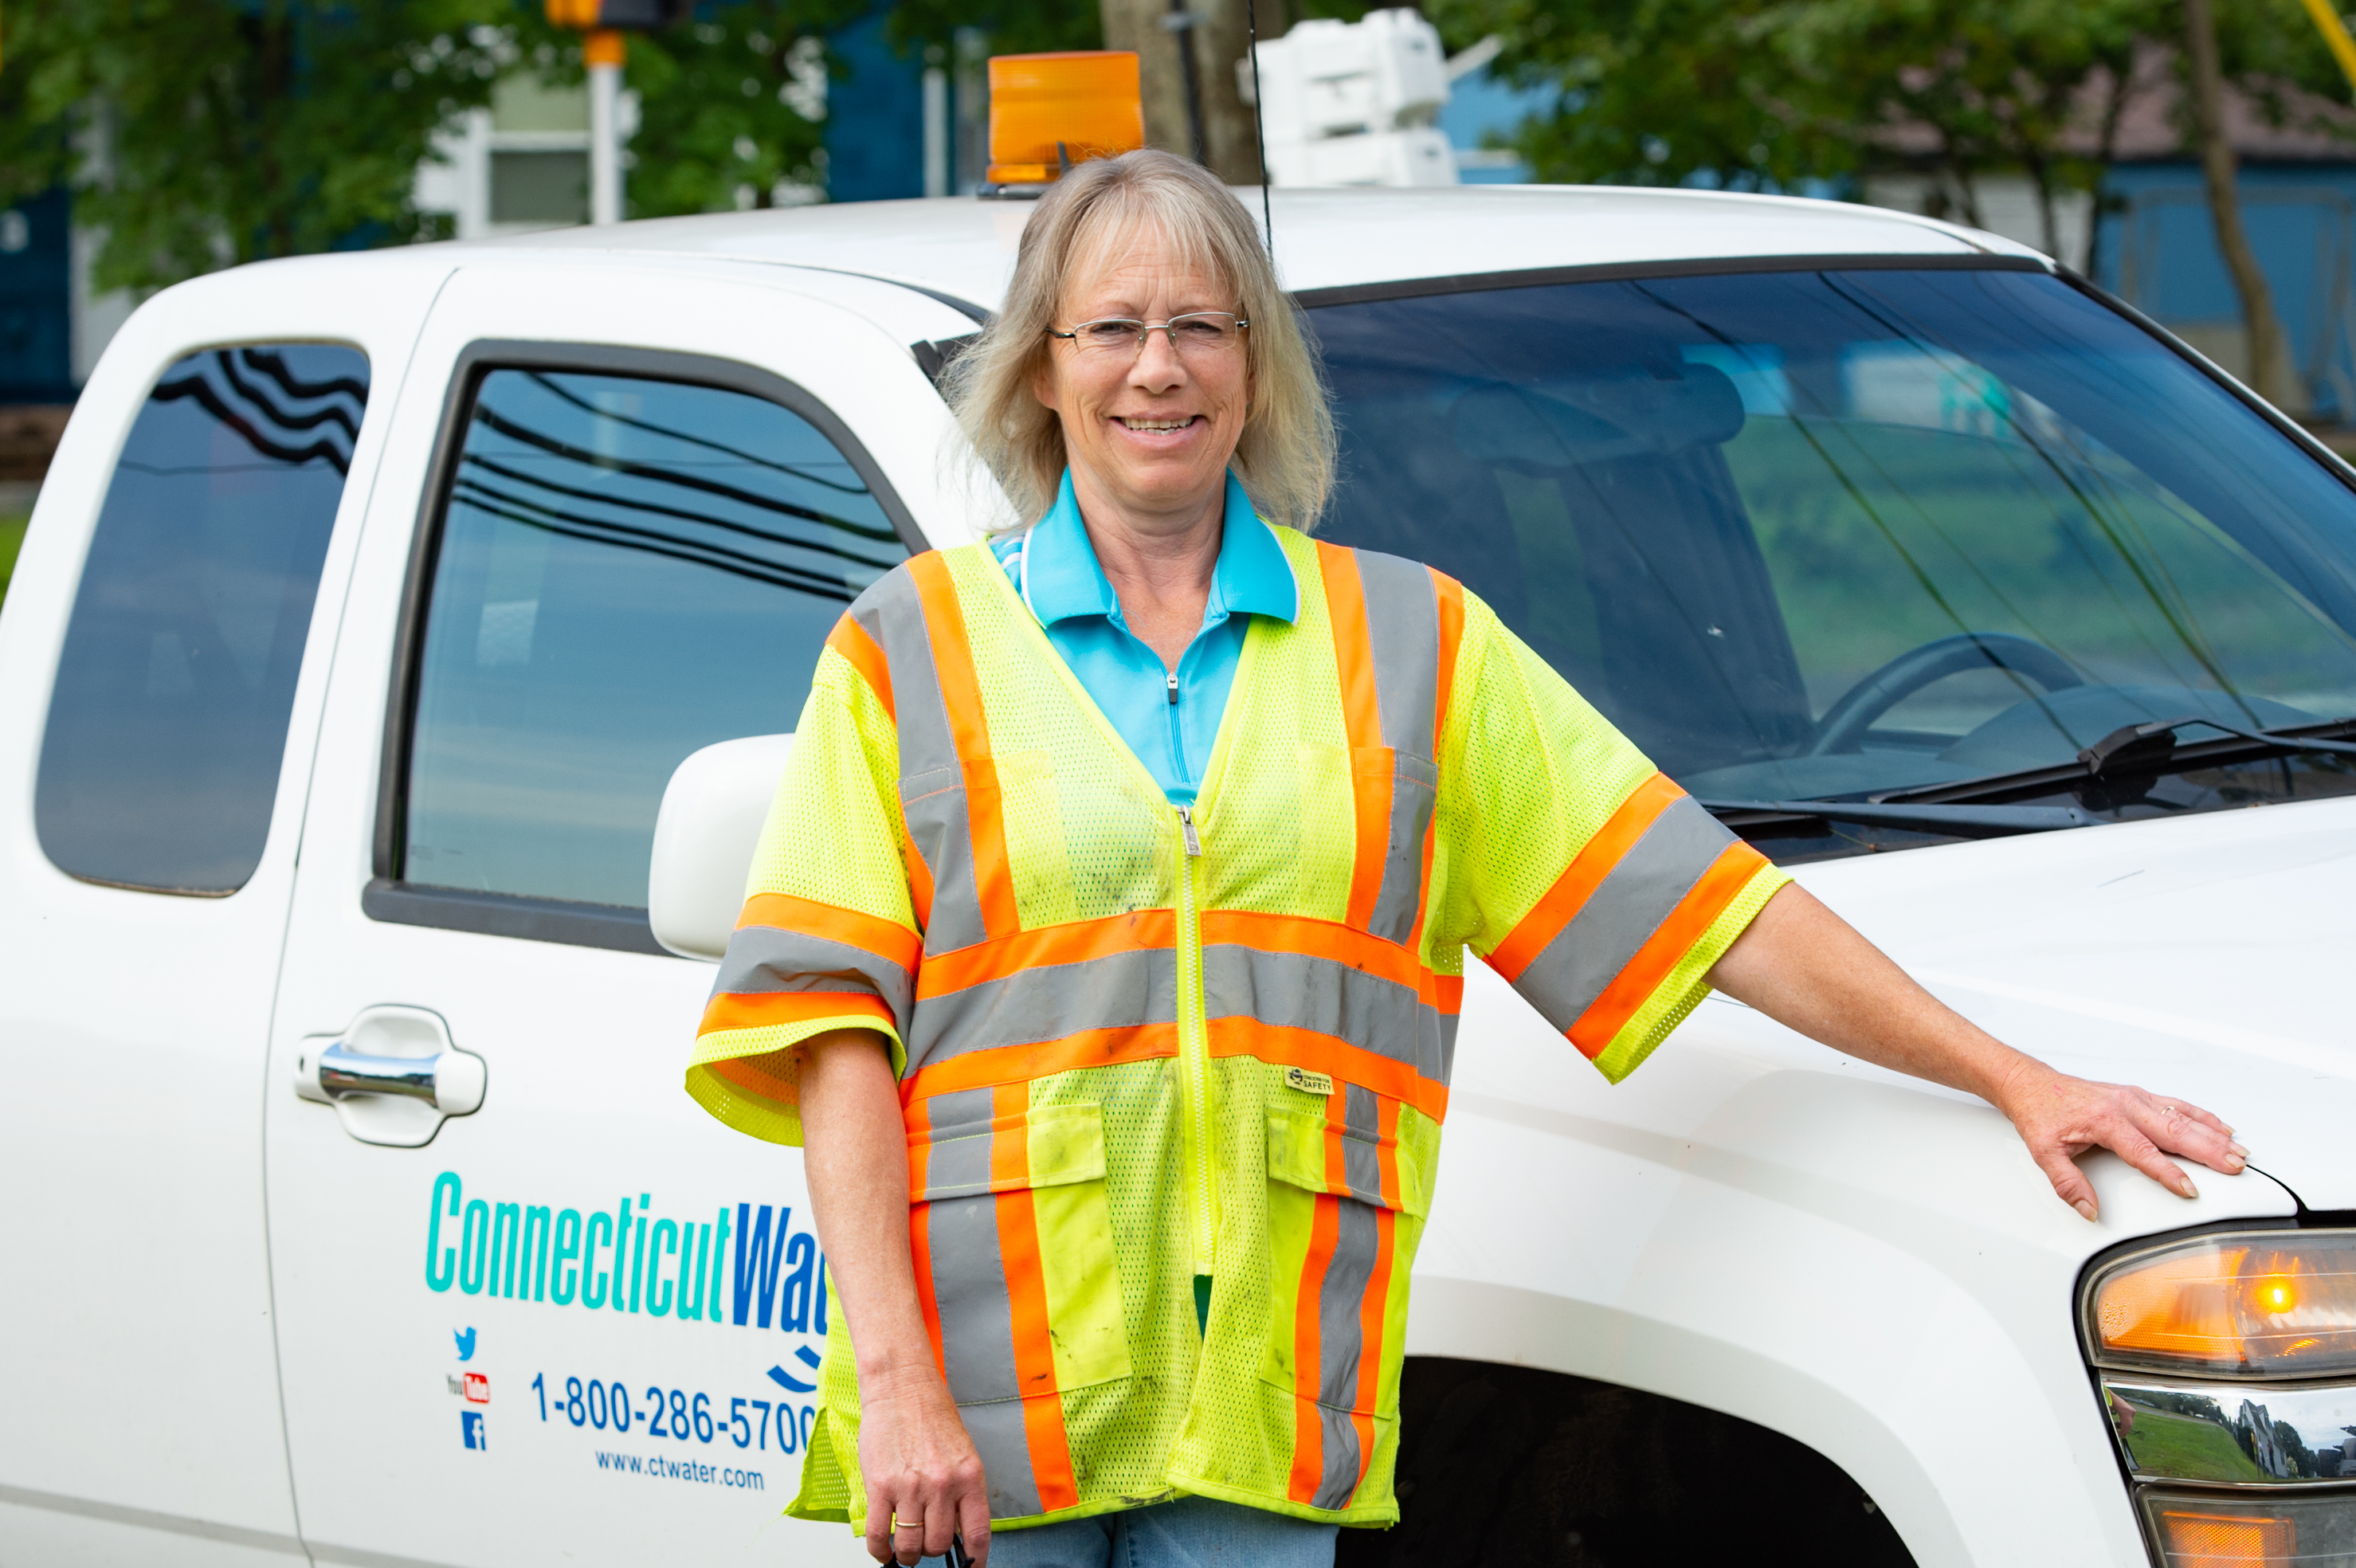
(2339, 468)
(389, 899)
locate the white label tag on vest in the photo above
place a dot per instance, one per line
(1313, 1082)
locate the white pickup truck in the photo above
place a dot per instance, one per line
(353, 1207)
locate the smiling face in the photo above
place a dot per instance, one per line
(1148, 436)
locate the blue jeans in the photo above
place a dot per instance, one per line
(1189, 1532)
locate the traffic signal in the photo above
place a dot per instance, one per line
(640, 14)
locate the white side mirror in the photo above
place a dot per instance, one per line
(704, 836)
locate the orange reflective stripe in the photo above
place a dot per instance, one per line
(993, 879)
(920, 1247)
(760, 1010)
(1667, 946)
(860, 651)
(1013, 1064)
(888, 940)
(1586, 874)
(1027, 1299)
(1075, 941)
(1240, 1036)
(1362, 721)
(1308, 1352)
(1314, 939)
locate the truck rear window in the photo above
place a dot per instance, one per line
(168, 723)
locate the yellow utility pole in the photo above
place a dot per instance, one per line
(2335, 37)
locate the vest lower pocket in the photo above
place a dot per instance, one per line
(1011, 1236)
(1346, 1202)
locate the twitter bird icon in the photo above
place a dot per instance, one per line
(466, 1338)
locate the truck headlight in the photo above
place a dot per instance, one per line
(2227, 1369)
(2262, 1303)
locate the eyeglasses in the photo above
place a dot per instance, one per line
(1199, 335)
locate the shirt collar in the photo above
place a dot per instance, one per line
(1062, 577)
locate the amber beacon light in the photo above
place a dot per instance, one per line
(1048, 111)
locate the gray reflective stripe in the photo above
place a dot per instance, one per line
(971, 1295)
(1341, 1297)
(1298, 991)
(956, 1164)
(1341, 1475)
(1403, 629)
(1362, 1170)
(932, 784)
(1004, 1446)
(1652, 879)
(935, 807)
(892, 614)
(1120, 990)
(969, 1272)
(765, 960)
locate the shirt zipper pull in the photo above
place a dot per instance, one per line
(1187, 828)
(1172, 687)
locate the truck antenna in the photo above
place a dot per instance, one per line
(1260, 128)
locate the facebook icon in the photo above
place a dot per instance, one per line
(470, 1425)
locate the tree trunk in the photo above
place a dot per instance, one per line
(1214, 109)
(2269, 366)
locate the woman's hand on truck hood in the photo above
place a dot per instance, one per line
(1809, 970)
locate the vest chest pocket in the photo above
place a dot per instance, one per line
(1345, 1203)
(1012, 1242)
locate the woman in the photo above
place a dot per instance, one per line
(1106, 940)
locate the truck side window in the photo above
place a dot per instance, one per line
(168, 725)
(628, 569)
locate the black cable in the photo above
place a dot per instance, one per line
(1260, 128)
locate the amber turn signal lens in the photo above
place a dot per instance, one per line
(1085, 102)
(2273, 1302)
(2226, 1541)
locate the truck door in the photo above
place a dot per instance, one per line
(161, 663)
(582, 1320)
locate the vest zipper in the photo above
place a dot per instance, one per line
(1195, 1047)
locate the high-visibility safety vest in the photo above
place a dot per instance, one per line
(1136, 1044)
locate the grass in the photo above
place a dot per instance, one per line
(11, 538)
(2166, 1444)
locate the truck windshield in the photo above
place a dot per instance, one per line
(1835, 533)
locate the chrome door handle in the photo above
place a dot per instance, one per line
(451, 1081)
(393, 1076)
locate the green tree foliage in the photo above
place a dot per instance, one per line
(732, 104)
(201, 133)
(1007, 27)
(1768, 93)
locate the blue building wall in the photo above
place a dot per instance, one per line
(36, 307)
(874, 118)
(2156, 247)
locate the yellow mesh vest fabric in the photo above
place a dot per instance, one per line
(832, 835)
(1529, 773)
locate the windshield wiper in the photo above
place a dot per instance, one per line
(2131, 738)
(1971, 822)
(2128, 749)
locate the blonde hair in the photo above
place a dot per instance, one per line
(1285, 455)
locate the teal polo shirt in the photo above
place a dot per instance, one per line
(1170, 718)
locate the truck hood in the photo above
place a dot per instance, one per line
(2206, 957)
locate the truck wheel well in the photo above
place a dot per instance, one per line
(1508, 1465)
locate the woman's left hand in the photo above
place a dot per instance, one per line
(2061, 1117)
